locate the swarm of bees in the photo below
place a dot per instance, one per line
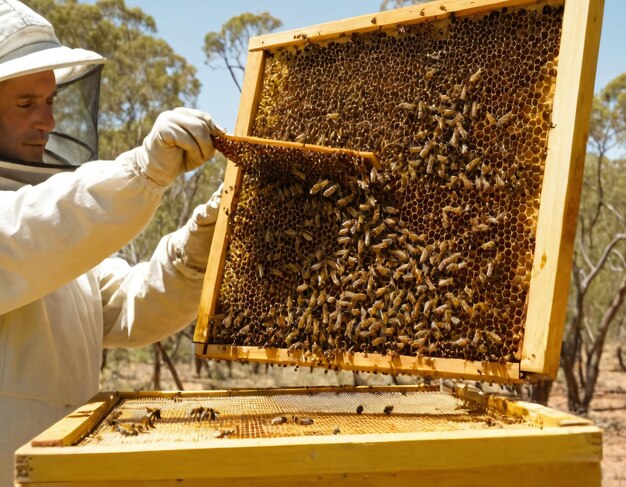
(432, 254)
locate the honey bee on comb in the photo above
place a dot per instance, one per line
(407, 256)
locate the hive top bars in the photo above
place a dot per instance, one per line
(450, 255)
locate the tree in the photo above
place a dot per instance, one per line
(228, 47)
(599, 269)
(142, 77)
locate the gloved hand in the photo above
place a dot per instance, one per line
(179, 141)
(193, 241)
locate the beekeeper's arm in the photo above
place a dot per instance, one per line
(55, 231)
(154, 299)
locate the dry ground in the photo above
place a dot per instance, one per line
(608, 409)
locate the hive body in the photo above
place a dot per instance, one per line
(451, 439)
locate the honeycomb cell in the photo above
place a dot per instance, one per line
(431, 254)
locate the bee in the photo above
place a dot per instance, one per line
(445, 282)
(490, 118)
(279, 420)
(504, 119)
(493, 337)
(473, 164)
(112, 419)
(474, 110)
(488, 245)
(382, 270)
(277, 273)
(298, 174)
(430, 165)
(467, 184)
(499, 181)
(336, 430)
(474, 78)
(476, 338)
(401, 255)
(176, 397)
(429, 283)
(467, 308)
(330, 190)
(407, 106)
(388, 409)
(461, 342)
(427, 148)
(303, 421)
(153, 414)
(293, 335)
(359, 409)
(223, 433)
(126, 429)
(332, 116)
(378, 341)
(345, 201)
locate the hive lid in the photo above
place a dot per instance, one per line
(453, 258)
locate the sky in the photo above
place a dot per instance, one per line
(184, 23)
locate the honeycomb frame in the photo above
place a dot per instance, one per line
(546, 274)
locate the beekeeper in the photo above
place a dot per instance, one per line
(62, 297)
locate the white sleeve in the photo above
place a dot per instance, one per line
(57, 230)
(151, 300)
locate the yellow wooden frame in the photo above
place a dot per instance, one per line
(547, 299)
(558, 450)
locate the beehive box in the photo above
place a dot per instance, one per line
(449, 257)
(334, 436)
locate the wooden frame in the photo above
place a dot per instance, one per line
(560, 450)
(556, 223)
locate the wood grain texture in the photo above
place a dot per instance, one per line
(556, 226)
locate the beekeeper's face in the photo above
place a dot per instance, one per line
(26, 115)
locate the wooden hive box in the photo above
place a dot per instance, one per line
(448, 257)
(430, 437)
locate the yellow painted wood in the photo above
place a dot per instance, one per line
(549, 455)
(556, 225)
(312, 456)
(372, 362)
(585, 474)
(415, 14)
(535, 413)
(252, 84)
(77, 424)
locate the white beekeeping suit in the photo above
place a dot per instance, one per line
(62, 297)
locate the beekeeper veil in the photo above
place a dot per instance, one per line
(29, 45)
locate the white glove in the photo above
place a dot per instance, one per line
(179, 141)
(192, 242)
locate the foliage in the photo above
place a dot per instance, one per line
(228, 47)
(143, 75)
(599, 270)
